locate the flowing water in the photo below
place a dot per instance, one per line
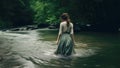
(35, 49)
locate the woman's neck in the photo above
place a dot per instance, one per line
(63, 20)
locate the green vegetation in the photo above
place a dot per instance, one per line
(49, 11)
(100, 14)
(15, 12)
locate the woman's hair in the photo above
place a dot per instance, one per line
(65, 17)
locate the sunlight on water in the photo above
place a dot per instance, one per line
(28, 46)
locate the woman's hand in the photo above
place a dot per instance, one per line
(57, 42)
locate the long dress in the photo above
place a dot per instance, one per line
(65, 44)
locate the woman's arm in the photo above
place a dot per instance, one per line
(59, 34)
(58, 39)
(72, 34)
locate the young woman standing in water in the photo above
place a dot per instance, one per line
(65, 39)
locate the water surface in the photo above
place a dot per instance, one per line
(35, 49)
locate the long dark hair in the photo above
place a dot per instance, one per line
(66, 17)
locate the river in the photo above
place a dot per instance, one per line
(35, 49)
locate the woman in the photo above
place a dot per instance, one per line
(65, 39)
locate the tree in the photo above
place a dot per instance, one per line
(15, 12)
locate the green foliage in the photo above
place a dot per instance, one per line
(15, 12)
(46, 11)
(39, 12)
(95, 12)
(5, 24)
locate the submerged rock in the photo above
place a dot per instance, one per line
(1, 58)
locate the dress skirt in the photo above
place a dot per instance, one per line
(65, 45)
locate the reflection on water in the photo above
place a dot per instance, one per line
(35, 49)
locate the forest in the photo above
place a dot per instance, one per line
(93, 15)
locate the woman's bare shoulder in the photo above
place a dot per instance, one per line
(62, 23)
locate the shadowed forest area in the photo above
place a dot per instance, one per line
(87, 15)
